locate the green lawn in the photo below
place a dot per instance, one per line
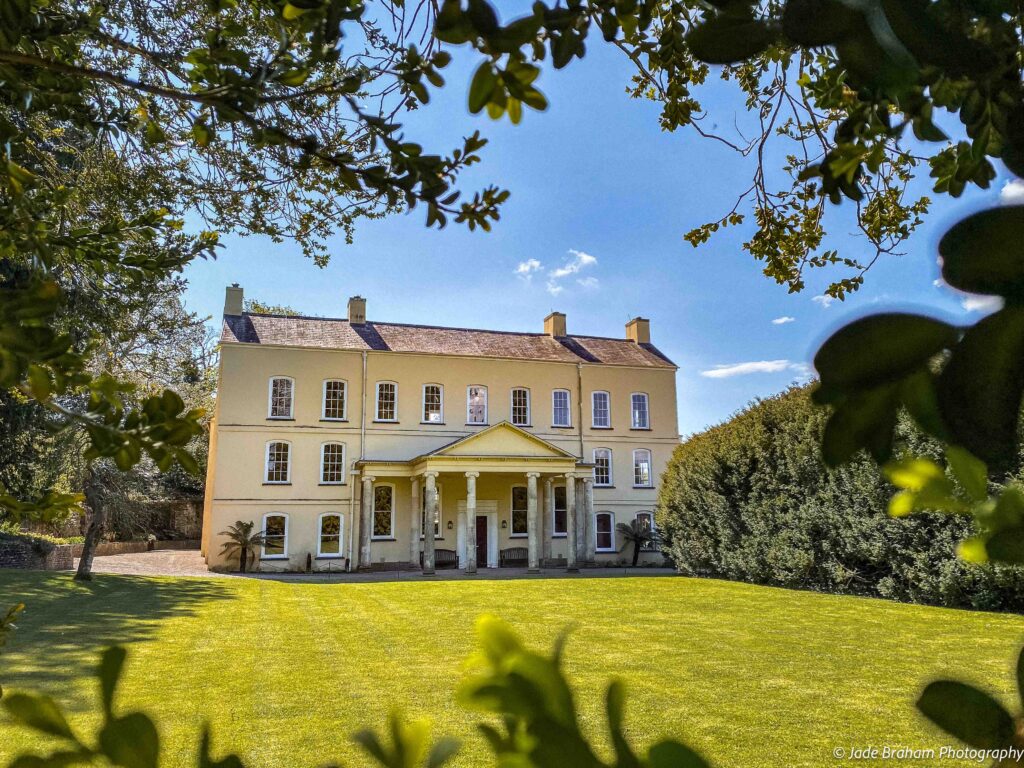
(752, 676)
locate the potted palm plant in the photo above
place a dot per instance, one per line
(639, 534)
(243, 542)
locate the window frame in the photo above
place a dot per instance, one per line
(568, 409)
(512, 513)
(469, 420)
(320, 537)
(512, 407)
(423, 403)
(323, 453)
(284, 543)
(323, 400)
(654, 529)
(647, 411)
(266, 463)
(593, 408)
(270, 398)
(650, 468)
(611, 531)
(373, 518)
(376, 403)
(611, 471)
(555, 533)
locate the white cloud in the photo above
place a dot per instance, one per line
(1012, 192)
(744, 369)
(527, 268)
(938, 282)
(985, 304)
(578, 261)
(824, 300)
(783, 320)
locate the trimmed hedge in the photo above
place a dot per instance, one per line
(750, 500)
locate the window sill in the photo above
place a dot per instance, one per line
(334, 484)
(603, 429)
(639, 429)
(561, 426)
(280, 418)
(385, 421)
(274, 557)
(432, 423)
(596, 485)
(337, 421)
(607, 551)
(436, 538)
(519, 535)
(329, 557)
(643, 487)
(559, 535)
(272, 483)
(521, 426)
(383, 538)
(477, 424)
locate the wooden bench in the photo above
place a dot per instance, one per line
(443, 558)
(514, 556)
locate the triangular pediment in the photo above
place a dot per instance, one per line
(503, 439)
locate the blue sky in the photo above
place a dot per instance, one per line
(601, 198)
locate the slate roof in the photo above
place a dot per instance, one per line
(331, 333)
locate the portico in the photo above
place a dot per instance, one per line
(499, 493)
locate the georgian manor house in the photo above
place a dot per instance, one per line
(346, 440)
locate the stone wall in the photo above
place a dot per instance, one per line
(105, 548)
(34, 554)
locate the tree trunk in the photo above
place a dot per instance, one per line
(243, 559)
(636, 552)
(97, 524)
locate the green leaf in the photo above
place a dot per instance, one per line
(983, 253)
(39, 712)
(971, 473)
(111, 666)
(482, 87)
(292, 12)
(876, 349)
(980, 387)
(672, 754)
(725, 39)
(815, 23)
(131, 741)
(865, 420)
(970, 715)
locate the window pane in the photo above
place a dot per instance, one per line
(560, 509)
(641, 467)
(386, 401)
(330, 535)
(560, 406)
(646, 521)
(334, 400)
(476, 412)
(604, 531)
(277, 463)
(602, 466)
(281, 398)
(521, 407)
(432, 404)
(274, 535)
(333, 463)
(519, 502)
(640, 411)
(383, 498)
(602, 413)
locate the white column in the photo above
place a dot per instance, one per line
(532, 524)
(471, 522)
(570, 522)
(588, 507)
(415, 523)
(547, 520)
(428, 524)
(582, 523)
(366, 522)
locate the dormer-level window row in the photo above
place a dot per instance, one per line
(334, 404)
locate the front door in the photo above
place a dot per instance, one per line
(481, 541)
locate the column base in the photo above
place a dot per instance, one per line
(572, 570)
(533, 570)
(470, 571)
(427, 572)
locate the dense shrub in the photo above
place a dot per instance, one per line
(751, 500)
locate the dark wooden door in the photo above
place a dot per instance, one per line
(481, 541)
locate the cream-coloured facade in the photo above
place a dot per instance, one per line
(340, 438)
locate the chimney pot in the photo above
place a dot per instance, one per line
(554, 324)
(638, 330)
(233, 299)
(357, 310)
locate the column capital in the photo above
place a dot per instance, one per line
(431, 473)
(368, 478)
(533, 474)
(570, 475)
(472, 474)
(589, 480)
(414, 479)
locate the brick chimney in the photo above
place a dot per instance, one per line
(357, 310)
(554, 324)
(233, 299)
(638, 330)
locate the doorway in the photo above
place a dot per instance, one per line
(481, 539)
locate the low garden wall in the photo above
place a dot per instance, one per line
(130, 547)
(34, 554)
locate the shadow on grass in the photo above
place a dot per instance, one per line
(67, 623)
